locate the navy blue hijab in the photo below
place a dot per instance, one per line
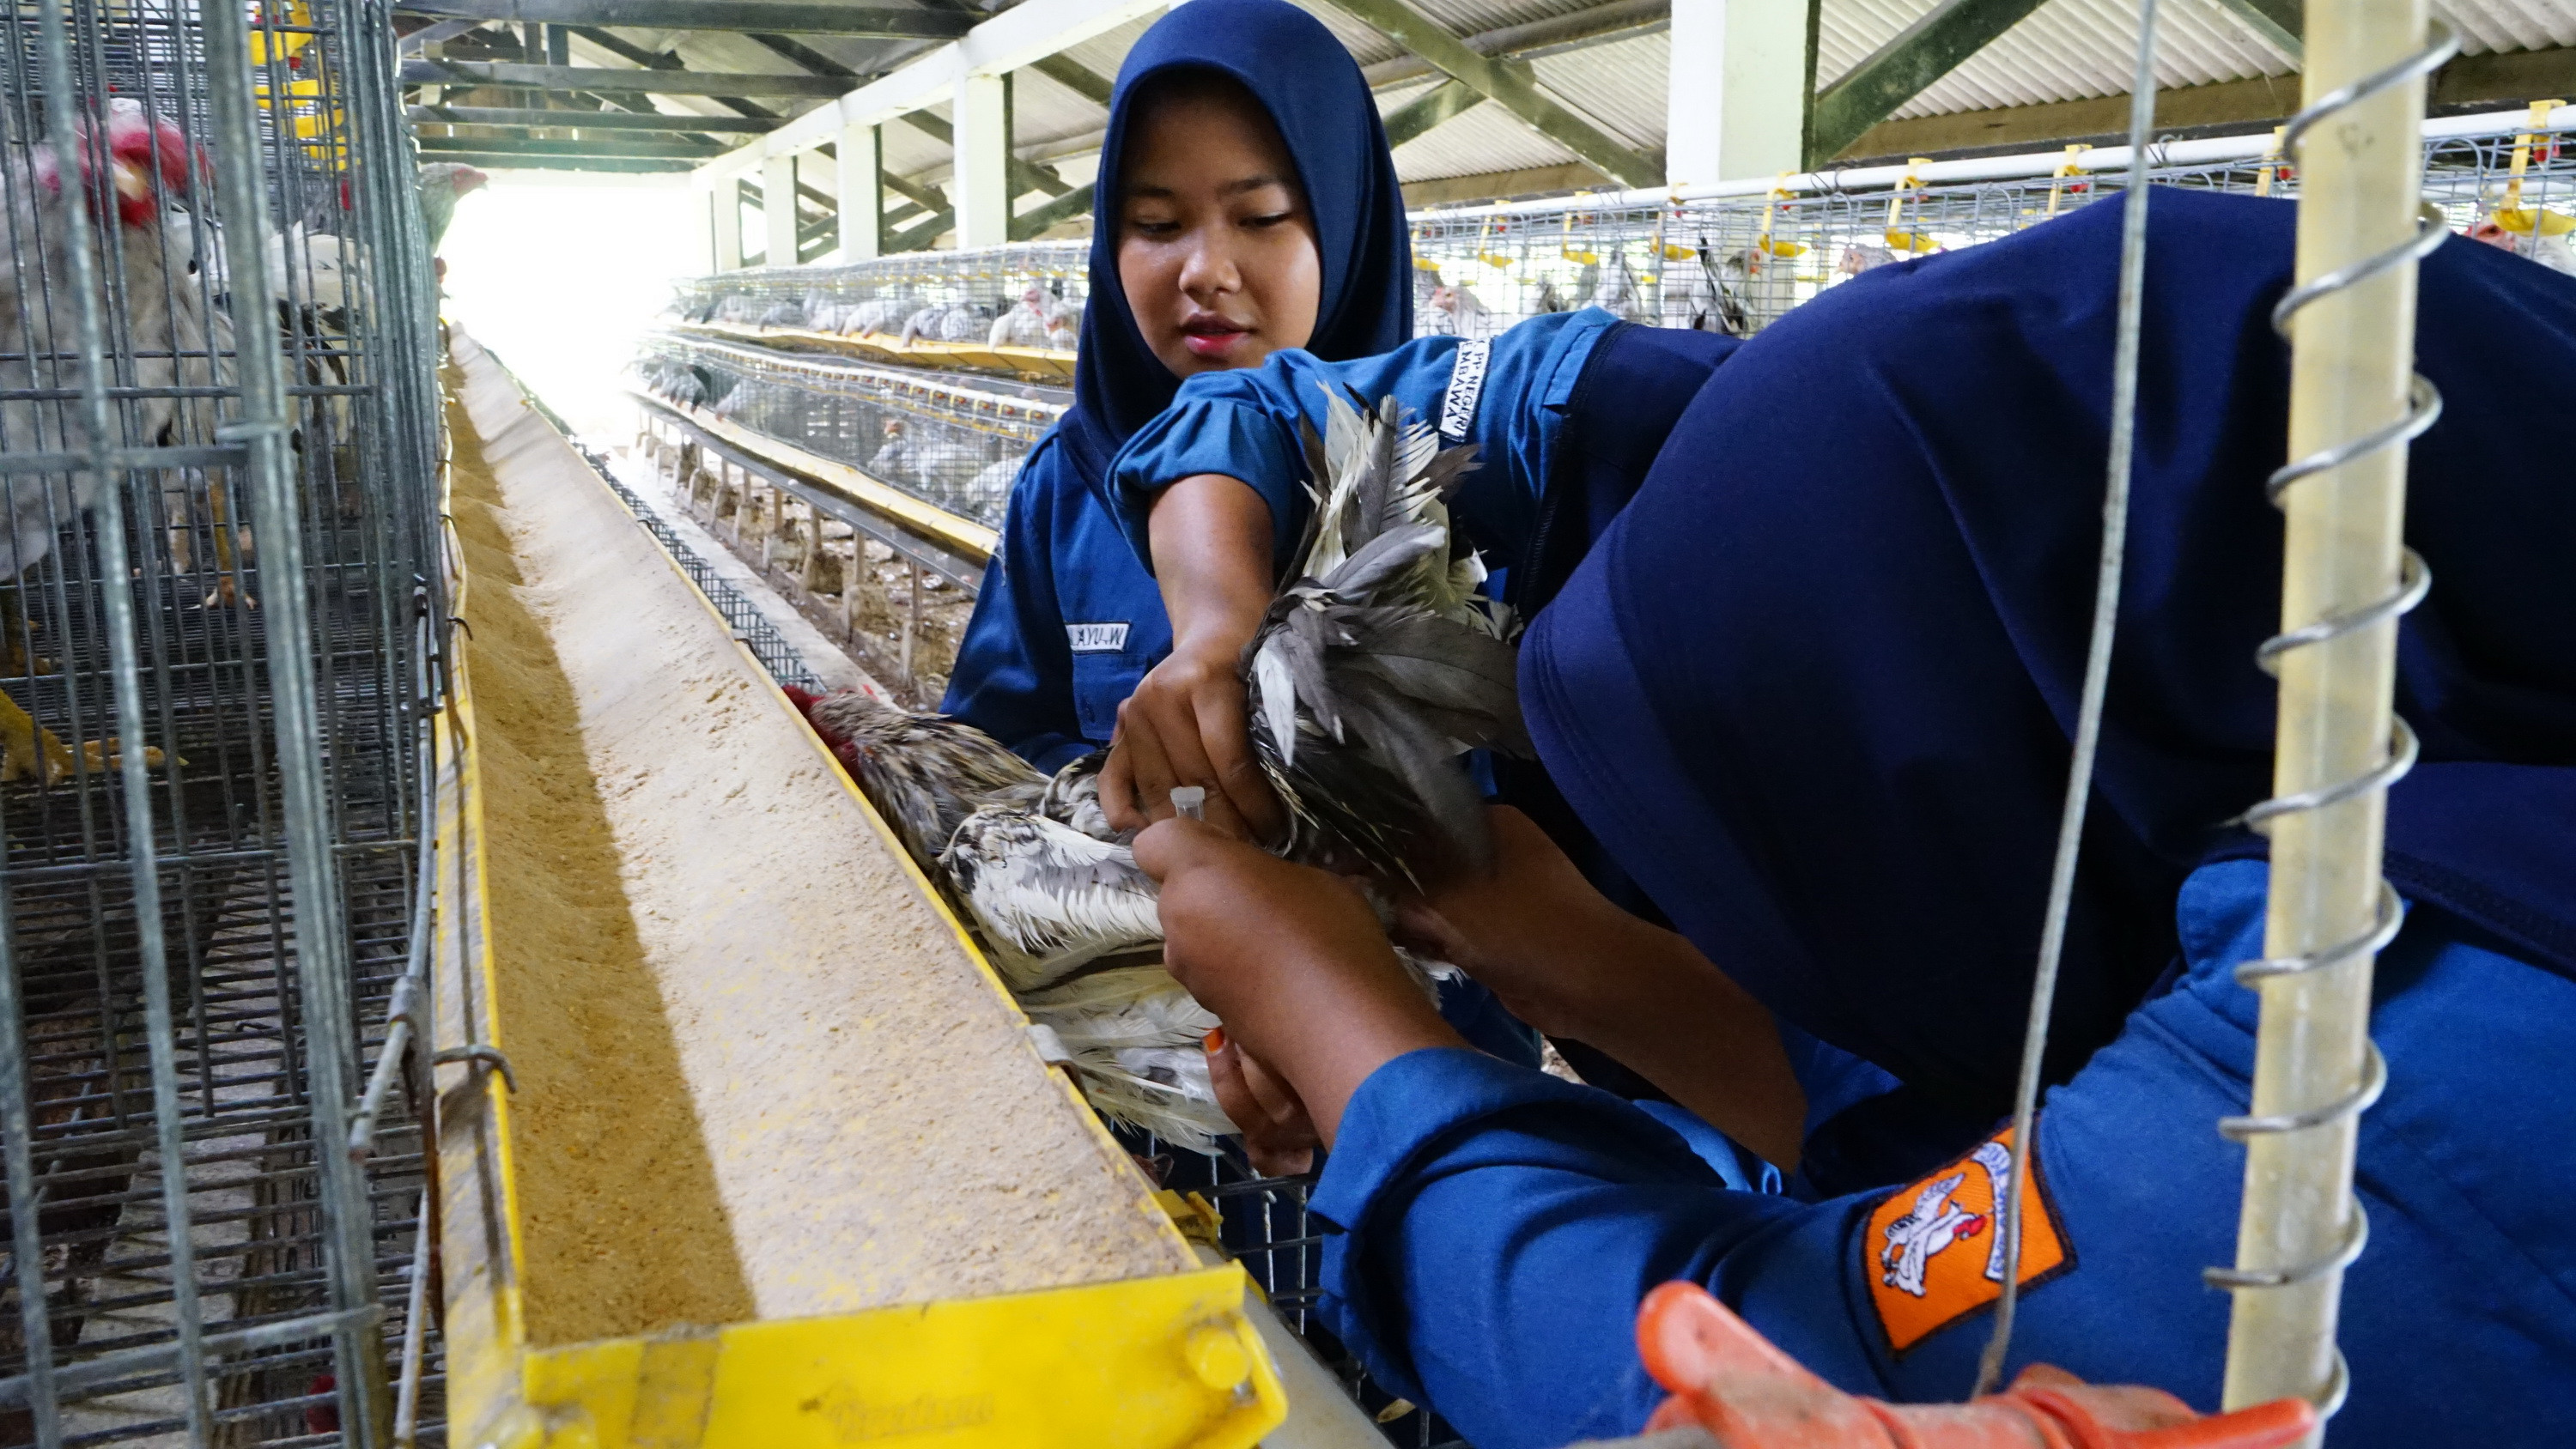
(1321, 104)
(1814, 687)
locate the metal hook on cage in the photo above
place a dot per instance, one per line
(2424, 407)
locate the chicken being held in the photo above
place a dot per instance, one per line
(1370, 678)
(165, 332)
(1382, 664)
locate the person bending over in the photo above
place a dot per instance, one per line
(1812, 689)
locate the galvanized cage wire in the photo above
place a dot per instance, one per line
(218, 438)
(951, 296)
(952, 440)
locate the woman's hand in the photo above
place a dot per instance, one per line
(1291, 960)
(1186, 725)
(1278, 1135)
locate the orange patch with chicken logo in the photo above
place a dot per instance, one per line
(1934, 1251)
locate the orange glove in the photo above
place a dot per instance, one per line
(1729, 1380)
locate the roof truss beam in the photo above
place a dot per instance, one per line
(513, 161)
(1508, 84)
(2279, 23)
(612, 81)
(587, 146)
(1011, 40)
(780, 15)
(1024, 176)
(1443, 102)
(1904, 68)
(429, 35)
(588, 120)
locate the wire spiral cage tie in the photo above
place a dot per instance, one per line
(2424, 407)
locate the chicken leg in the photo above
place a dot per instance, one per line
(227, 564)
(24, 744)
(15, 657)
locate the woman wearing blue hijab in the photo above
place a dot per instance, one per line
(1246, 204)
(1813, 688)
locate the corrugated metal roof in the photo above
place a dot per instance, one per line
(2491, 25)
(2066, 50)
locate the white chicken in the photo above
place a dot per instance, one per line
(2549, 248)
(1064, 324)
(1456, 311)
(165, 333)
(877, 315)
(1024, 325)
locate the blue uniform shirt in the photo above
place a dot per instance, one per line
(1065, 625)
(1243, 424)
(1497, 1228)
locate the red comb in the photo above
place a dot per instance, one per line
(152, 144)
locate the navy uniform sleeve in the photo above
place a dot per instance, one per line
(1498, 1227)
(1014, 674)
(1243, 424)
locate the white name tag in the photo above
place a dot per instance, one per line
(1466, 384)
(1096, 638)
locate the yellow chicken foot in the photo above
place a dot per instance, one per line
(104, 755)
(226, 563)
(23, 746)
(14, 656)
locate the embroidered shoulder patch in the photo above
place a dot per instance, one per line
(1934, 1253)
(1096, 638)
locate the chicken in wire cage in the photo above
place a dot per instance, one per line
(217, 441)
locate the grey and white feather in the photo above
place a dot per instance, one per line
(1049, 898)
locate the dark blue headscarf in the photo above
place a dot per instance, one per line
(1814, 687)
(1321, 104)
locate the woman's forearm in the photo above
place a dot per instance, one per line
(1656, 1005)
(1211, 540)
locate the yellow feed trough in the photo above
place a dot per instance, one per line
(781, 1166)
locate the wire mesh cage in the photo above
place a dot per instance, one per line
(1026, 295)
(952, 445)
(220, 608)
(1737, 263)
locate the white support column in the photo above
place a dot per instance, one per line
(724, 205)
(778, 208)
(981, 186)
(1735, 105)
(862, 162)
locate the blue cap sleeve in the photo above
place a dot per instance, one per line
(1221, 423)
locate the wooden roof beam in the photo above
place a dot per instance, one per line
(2279, 23)
(1508, 84)
(1904, 68)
